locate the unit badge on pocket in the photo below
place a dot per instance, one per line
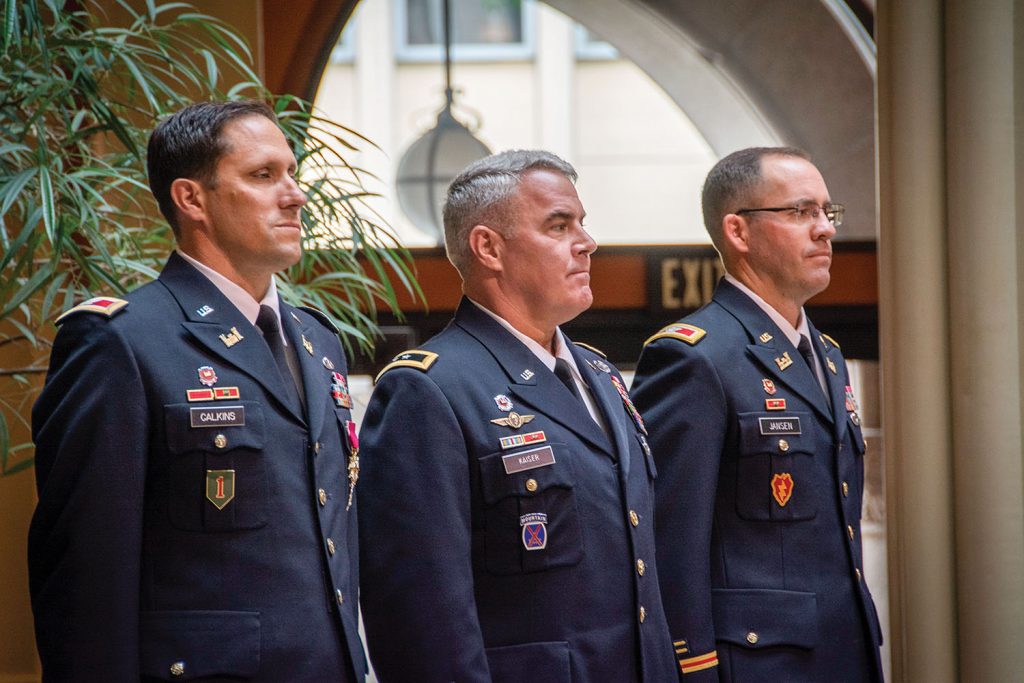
(220, 487)
(535, 530)
(782, 488)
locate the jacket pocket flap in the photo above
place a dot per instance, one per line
(184, 645)
(499, 479)
(211, 427)
(530, 661)
(757, 618)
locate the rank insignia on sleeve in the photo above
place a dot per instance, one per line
(231, 337)
(775, 404)
(514, 420)
(104, 305)
(207, 376)
(784, 361)
(220, 487)
(535, 530)
(782, 488)
(699, 663)
(830, 364)
(503, 402)
(414, 358)
(691, 334)
(769, 386)
(765, 337)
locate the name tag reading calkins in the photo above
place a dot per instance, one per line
(779, 425)
(219, 416)
(528, 460)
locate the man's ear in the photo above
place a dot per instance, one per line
(189, 197)
(487, 246)
(736, 233)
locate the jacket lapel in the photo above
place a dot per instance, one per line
(529, 379)
(834, 376)
(771, 349)
(300, 336)
(609, 402)
(217, 325)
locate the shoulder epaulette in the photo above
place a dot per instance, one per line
(830, 340)
(321, 316)
(588, 347)
(414, 358)
(104, 305)
(691, 334)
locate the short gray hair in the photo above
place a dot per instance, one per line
(732, 181)
(481, 195)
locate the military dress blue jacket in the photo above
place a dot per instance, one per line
(760, 477)
(191, 523)
(504, 536)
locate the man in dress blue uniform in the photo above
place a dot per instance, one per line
(506, 530)
(755, 432)
(193, 443)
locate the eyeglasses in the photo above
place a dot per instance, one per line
(808, 213)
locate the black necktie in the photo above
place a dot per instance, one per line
(564, 373)
(267, 322)
(804, 347)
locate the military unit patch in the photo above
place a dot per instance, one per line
(782, 488)
(535, 530)
(220, 487)
(769, 386)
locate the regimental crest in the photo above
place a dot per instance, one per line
(220, 487)
(769, 386)
(503, 402)
(207, 376)
(534, 530)
(782, 488)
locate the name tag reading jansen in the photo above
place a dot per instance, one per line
(779, 425)
(528, 460)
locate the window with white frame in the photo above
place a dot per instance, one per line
(482, 30)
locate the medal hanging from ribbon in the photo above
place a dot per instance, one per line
(353, 460)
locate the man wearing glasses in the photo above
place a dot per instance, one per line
(757, 441)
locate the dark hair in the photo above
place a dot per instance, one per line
(188, 144)
(480, 194)
(732, 180)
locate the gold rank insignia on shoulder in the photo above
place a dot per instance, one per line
(414, 358)
(231, 337)
(104, 305)
(592, 349)
(824, 337)
(784, 361)
(514, 420)
(691, 334)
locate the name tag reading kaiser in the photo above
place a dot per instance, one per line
(221, 416)
(528, 460)
(779, 425)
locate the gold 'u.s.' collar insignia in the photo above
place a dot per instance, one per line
(231, 337)
(592, 349)
(514, 420)
(691, 334)
(765, 337)
(784, 361)
(104, 305)
(413, 358)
